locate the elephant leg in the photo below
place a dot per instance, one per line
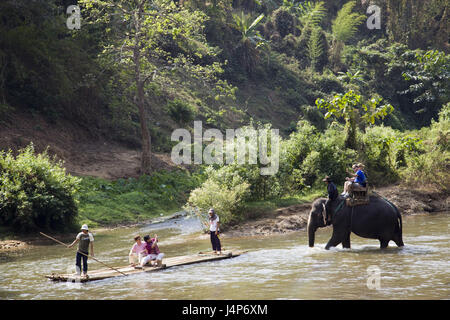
(334, 241)
(346, 241)
(398, 241)
(384, 244)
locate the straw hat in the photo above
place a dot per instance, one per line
(84, 227)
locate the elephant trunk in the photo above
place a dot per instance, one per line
(311, 232)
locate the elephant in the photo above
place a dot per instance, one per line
(379, 219)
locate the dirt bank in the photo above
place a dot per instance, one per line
(84, 153)
(293, 218)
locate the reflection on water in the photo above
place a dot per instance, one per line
(276, 267)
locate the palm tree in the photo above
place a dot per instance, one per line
(250, 41)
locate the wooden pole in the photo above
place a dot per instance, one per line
(62, 243)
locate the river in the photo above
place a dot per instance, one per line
(275, 267)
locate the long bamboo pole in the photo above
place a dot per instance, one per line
(91, 257)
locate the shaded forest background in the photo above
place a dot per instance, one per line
(47, 69)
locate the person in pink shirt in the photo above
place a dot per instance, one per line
(153, 251)
(137, 253)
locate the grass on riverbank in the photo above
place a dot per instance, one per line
(103, 202)
(255, 208)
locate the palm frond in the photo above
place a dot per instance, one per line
(347, 22)
(311, 13)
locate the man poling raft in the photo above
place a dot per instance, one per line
(85, 239)
(67, 246)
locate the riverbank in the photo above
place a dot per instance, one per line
(20, 242)
(282, 220)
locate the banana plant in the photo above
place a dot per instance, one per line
(251, 40)
(247, 27)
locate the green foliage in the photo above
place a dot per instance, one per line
(352, 109)
(284, 21)
(247, 26)
(309, 155)
(417, 23)
(228, 202)
(418, 89)
(431, 166)
(378, 146)
(250, 41)
(134, 199)
(317, 49)
(428, 75)
(36, 193)
(347, 22)
(180, 111)
(311, 14)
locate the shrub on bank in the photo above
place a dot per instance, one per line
(36, 193)
(228, 202)
(431, 167)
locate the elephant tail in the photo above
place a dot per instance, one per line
(399, 229)
(400, 224)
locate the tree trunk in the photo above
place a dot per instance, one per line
(146, 142)
(350, 132)
(146, 139)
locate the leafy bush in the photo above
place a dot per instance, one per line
(227, 202)
(432, 167)
(284, 21)
(309, 155)
(379, 154)
(36, 193)
(180, 111)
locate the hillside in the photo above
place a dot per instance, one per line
(83, 153)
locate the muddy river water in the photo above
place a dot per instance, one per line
(275, 267)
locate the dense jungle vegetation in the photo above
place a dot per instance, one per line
(344, 81)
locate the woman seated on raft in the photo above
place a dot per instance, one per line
(144, 252)
(359, 180)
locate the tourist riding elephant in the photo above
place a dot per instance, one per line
(379, 219)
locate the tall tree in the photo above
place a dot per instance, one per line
(153, 38)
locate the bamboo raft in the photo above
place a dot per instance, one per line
(101, 274)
